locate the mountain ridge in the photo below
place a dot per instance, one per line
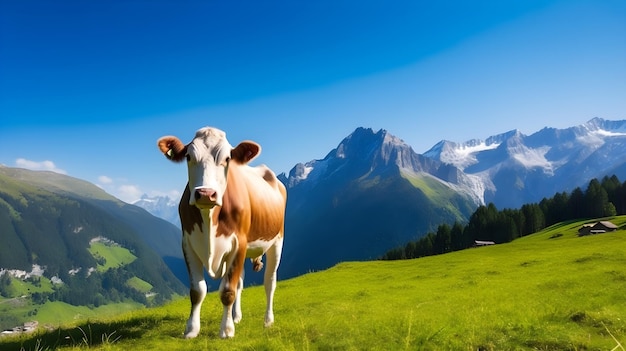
(160, 206)
(372, 186)
(515, 168)
(483, 163)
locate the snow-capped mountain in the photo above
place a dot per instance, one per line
(160, 206)
(515, 168)
(370, 194)
(370, 153)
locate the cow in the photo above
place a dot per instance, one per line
(229, 211)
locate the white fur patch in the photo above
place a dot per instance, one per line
(214, 252)
(259, 247)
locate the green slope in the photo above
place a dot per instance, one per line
(57, 183)
(549, 291)
(110, 256)
(438, 193)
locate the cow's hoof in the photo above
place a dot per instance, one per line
(227, 334)
(190, 335)
(269, 320)
(191, 330)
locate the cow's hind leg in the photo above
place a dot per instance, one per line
(197, 292)
(237, 313)
(272, 258)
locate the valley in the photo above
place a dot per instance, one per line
(36, 299)
(68, 246)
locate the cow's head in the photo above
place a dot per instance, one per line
(208, 157)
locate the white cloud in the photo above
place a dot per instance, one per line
(38, 166)
(105, 180)
(129, 193)
(120, 188)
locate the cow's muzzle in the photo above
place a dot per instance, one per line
(206, 197)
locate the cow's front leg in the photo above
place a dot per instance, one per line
(227, 327)
(197, 292)
(228, 295)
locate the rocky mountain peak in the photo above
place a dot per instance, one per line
(380, 149)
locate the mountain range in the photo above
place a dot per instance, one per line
(160, 206)
(374, 192)
(513, 169)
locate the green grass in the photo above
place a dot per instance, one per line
(433, 189)
(548, 291)
(57, 313)
(114, 256)
(20, 287)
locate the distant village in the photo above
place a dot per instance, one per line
(25, 328)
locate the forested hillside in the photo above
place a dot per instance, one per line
(601, 199)
(60, 248)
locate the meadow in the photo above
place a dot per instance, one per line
(551, 290)
(111, 256)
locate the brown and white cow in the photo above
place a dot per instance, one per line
(228, 211)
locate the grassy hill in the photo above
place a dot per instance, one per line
(548, 291)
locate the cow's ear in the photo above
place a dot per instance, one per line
(245, 151)
(172, 148)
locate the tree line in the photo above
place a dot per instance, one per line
(602, 198)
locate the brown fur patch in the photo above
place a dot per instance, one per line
(227, 297)
(195, 296)
(245, 151)
(190, 216)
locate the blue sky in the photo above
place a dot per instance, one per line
(87, 87)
